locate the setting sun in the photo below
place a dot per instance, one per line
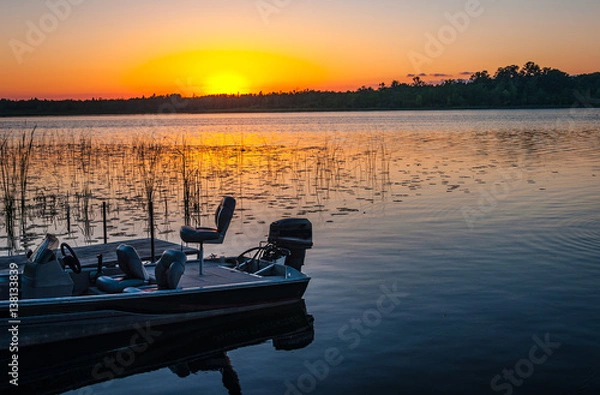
(211, 72)
(226, 82)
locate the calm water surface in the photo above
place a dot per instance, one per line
(455, 252)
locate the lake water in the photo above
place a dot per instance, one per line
(455, 252)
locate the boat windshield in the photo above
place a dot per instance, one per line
(45, 251)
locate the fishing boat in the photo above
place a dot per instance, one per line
(61, 293)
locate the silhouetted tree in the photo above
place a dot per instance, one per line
(507, 73)
(418, 82)
(480, 77)
(530, 69)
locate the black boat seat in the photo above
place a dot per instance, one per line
(223, 217)
(169, 269)
(131, 265)
(117, 285)
(202, 235)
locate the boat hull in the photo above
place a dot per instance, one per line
(50, 320)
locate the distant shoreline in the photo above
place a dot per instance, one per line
(283, 111)
(511, 87)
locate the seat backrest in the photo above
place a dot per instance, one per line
(169, 269)
(130, 262)
(224, 214)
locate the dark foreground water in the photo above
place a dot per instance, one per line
(455, 252)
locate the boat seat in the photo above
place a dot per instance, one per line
(202, 235)
(169, 269)
(131, 265)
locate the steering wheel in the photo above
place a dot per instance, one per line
(70, 259)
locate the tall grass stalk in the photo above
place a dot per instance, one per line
(14, 169)
(149, 156)
(187, 173)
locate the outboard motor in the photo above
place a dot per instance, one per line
(295, 235)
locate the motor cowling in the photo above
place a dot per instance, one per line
(295, 235)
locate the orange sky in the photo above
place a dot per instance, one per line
(90, 48)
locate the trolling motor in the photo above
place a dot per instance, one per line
(287, 244)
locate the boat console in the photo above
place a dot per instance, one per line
(43, 275)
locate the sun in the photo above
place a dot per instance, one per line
(225, 82)
(214, 72)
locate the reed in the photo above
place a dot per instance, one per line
(149, 155)
(9, 190)
(84, 151)
(188, 174)
(14, 170)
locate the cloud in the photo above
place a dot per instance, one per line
(466, 73)
(441, 75)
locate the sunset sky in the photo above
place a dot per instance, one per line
(81, 49)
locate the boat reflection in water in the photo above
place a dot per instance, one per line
(196, 346)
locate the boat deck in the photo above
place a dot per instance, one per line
(213, 275)
(88, 254)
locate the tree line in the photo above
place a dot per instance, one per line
(530, 86)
